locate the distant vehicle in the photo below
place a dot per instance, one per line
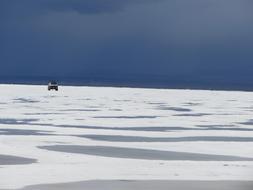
(53, 85)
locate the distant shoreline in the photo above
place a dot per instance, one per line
(133, 81)
(131, 85)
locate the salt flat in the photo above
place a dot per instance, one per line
(102, 133)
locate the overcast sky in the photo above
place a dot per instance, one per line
(195, 39)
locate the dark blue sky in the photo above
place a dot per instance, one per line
(206, 41)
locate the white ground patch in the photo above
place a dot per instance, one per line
(77, 111)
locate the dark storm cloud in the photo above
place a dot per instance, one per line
(80, 6)
(92, 6)
(170, 41)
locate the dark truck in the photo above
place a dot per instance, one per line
(52, 85)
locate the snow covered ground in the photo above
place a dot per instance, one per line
(98, 133)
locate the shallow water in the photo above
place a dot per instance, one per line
(146, 154)
(14, 160)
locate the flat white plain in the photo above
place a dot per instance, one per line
(31, 117)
